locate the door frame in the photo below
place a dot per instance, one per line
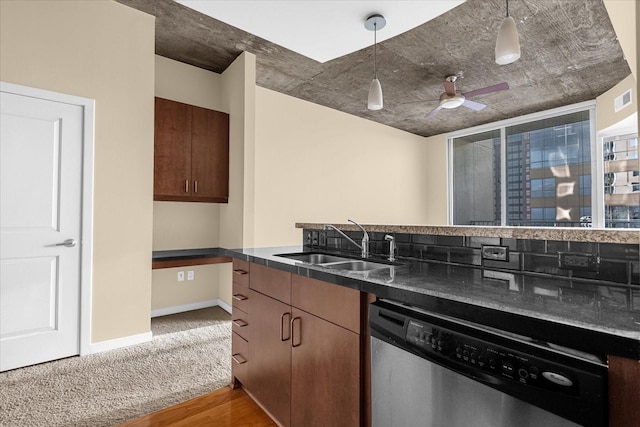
(86, 215)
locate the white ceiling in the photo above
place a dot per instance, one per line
(321, 30)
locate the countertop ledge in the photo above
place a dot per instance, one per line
(188, 257)
(422, 284)
(574, 234)
(187, 253)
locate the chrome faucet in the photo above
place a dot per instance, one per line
(364, 247)
(392, 247)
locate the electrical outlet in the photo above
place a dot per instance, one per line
(495, 253)
(190, 275)
(180, 276)
(578, 261)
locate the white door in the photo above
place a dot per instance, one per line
(40, 209)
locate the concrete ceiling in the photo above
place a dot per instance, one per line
(569, 54)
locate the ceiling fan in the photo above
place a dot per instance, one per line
(450, 98)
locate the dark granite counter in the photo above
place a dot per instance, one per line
(587, 316)
(186, 257)
(187, 254)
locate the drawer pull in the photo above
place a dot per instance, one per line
(239, 359)
(240, 323)
(282, 328)
(240, 272)
(240, 297)
(293, 334)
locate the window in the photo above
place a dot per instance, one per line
(546, 168)
(621, 181)
(537, 171)
(476, 178)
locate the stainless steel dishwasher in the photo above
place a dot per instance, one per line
(435, 371)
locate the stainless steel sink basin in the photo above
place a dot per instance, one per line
(315, 258)
(334, 261)
(357, 265)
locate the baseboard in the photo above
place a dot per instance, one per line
(101, 346)
(226, 307)
(188, 307)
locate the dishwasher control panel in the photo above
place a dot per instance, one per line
(489, 357)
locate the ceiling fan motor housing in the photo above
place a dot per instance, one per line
(451, 101)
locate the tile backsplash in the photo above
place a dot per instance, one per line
(614, 263)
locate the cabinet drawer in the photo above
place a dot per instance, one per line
(334, 303)
(240, 323)
(239, 358)
(240, 297)
(241, 272)
(271, 282)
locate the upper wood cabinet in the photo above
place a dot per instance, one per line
(191, 153)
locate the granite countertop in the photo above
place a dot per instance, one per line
(176, 254)
(590, 319)
(576, 234)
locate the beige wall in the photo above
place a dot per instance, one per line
(623, 17)
(105, 51)
(168, 292)
(436, 169)
(606, 116)
(239, 92)
(236, 217)
(315, 164)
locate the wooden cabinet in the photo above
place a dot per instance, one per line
(191, 153)
(624, 392)
(270, 352)
(325, 373)
(240, 324)
(305, 349)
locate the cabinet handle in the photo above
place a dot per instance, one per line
(282, 328)
(240, 323)
(240, 297)
(195, 186)
(240, 272)
(238, 358)
(186, 185)
(293, 335)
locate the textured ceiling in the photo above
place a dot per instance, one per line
(569, 54)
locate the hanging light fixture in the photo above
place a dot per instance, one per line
(507, 43)
(375, 102)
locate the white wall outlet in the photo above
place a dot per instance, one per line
(180, 276)
(190, 275)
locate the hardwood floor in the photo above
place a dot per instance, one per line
(223, 408)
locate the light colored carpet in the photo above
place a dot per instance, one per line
(188, 357)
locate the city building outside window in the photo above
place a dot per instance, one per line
(537, 171)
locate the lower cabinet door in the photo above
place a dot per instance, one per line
(270, 355)
(325, 373)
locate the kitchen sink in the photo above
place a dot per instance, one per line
(315, 258)
(334, 261)
(356, 265)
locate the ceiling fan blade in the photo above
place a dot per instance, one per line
(433, 112)
(450, 88)
(488, 89)
(476, 106)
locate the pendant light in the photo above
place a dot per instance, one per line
(375, 101)
(507, 43)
